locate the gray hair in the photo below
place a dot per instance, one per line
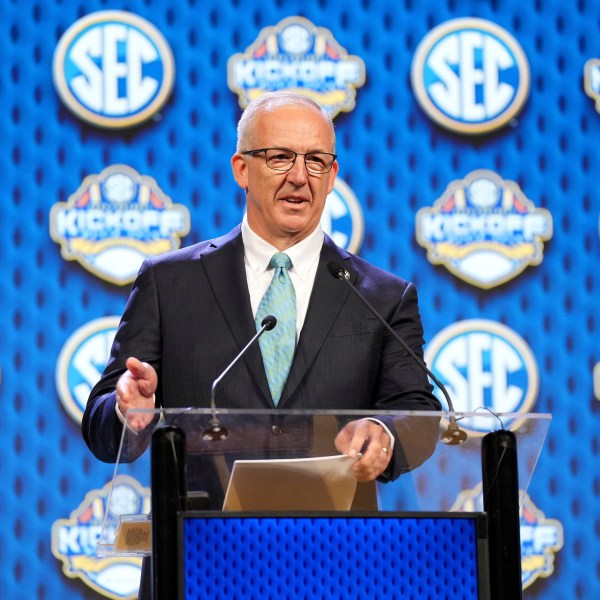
(269, 100)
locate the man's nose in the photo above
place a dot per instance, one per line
(298, 172)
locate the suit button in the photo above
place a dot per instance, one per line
(276, 430)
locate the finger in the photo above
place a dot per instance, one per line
(145, 375)
(378, 434)
(382, 456)
(341, 442)
(366, 470)
(128, 393)
(139, 421)
(367, 439)
(375, 455)
(359, 439)
(124, 388)
(374, 462)
(344, 437)
(137, 368)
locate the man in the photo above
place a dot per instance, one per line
(191, 311)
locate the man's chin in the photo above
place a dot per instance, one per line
(298, 225)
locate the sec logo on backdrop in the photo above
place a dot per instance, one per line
(484, 364)
(342, 217)
(81, 362)
(470, 76)
(113, 69)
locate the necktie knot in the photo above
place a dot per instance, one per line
(280, 260)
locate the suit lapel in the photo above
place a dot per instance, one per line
(326, 300)
(225, 270)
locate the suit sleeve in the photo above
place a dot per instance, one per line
(403, 385)
(139, 335)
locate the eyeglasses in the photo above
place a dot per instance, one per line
(282, 159)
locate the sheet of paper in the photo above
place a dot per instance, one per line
(323, 483)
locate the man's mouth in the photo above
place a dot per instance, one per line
(294, 200)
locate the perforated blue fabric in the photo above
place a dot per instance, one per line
(322, 558)
(394, 159)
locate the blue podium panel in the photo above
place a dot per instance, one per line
(334, 555)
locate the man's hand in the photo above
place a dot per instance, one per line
(135, 389)
(366, 437)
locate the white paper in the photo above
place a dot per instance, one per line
(324, 483)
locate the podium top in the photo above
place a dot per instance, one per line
(425, 473)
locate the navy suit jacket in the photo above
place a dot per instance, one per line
(189, 315)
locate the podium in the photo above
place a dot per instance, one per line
(259, 504)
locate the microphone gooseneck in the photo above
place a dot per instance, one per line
(215, 431)
(454, 435)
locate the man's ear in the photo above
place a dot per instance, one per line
(240, 170)
(333, 175)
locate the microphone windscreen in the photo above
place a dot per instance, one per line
(336, 269)
(269, 322)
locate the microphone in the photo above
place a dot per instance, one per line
(215, 430)
(454, 435)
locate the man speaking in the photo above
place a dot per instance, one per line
(191, 311)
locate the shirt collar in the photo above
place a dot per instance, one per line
(258, 252)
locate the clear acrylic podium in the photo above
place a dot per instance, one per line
(290, 505)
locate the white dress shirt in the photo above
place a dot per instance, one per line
(305, 260)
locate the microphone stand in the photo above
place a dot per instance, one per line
(454, 435)
(500, 484)
(215, 430)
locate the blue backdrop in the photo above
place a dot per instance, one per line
(396, 161)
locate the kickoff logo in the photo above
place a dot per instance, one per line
(296, 55)
(114, 221)
(484, 364)
(75, 540)
(470, 76)
(541, 538)
(113, 69)
(81, 362)
(342, 219)
(484, 230)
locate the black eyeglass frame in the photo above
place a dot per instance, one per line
(296, 155)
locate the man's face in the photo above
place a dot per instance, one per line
(285, 207)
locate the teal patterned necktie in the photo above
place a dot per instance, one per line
(278, 345)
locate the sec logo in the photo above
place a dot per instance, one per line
(81, 362)
(342, 217)
(470, 76)
(113, 69)
(484, 364)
